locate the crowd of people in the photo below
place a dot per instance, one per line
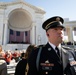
(17, 56)
(7, 57)
(10, 56)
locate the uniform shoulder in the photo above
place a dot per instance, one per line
(41, 46)
(66, 48)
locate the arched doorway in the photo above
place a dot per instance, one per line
(19, 24)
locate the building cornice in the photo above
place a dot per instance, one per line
(70, 23)
(38, 10)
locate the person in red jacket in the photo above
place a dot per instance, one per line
(8, 57)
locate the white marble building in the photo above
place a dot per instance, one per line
(70, 32)
(19, 17)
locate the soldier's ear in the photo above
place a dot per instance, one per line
(47, 34)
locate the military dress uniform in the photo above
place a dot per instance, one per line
(49, 63)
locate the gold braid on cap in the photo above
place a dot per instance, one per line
(48, 25)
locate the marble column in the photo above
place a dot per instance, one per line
(70, 34)
(5, 29)
(33, 33)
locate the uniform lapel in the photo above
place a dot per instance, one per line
(53, 53)
(64, 58)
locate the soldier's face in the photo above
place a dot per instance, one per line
(55, 34)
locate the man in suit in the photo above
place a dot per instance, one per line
(50, 60)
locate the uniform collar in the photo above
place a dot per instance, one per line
(52, 45)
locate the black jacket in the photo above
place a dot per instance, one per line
(49, 63)
(20, 68)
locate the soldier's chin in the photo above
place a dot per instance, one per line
(61, 41)
(61, 38)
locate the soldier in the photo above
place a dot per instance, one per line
(49, 61)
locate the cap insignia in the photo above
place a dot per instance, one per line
(57, 19)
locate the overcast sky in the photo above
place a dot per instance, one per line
(63, 8)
